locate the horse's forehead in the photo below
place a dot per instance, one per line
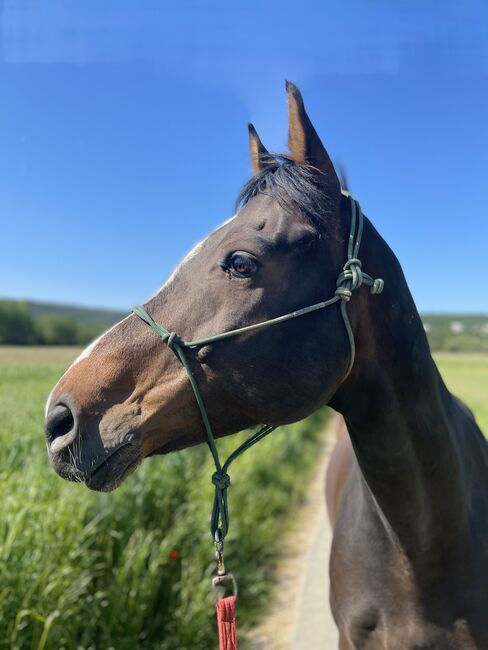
(261, 210)
(263, 217)
(262, 214)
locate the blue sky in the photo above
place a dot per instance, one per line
(123, 136)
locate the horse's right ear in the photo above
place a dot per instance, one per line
(260, 157)
(304, 143)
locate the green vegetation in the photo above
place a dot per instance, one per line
(131, 569)
(457, 332)
(83, 315)
(27, 323)
(16, 324)
(467, 377)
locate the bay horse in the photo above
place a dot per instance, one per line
(408, 480)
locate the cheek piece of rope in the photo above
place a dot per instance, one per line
(349, 279)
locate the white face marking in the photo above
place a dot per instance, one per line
(48, 402)
(91, 347)
(169, 280)
(85, 354)
(226, 222)
(188, 257)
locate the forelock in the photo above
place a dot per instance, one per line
(294, 186)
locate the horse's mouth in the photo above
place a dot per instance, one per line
(114, 469)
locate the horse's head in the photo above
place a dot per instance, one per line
(127, 396)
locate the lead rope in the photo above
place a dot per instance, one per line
(350, 279)
(226, 623)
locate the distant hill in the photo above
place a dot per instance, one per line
(457, 332)
(82, 315)
(27, 322)
(452, 332)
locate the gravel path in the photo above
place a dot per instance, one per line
(299, 617)
(314, 625)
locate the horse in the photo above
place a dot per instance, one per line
(407, 487)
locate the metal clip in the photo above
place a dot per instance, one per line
(219, 555)
(225, 580)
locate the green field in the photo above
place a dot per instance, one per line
(80, 570)
(466, 375)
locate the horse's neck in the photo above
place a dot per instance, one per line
(400, 416)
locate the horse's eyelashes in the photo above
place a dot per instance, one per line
(243, 266)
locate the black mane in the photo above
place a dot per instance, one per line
(293, 185)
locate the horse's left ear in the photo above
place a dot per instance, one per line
(304, 143)
(260, 156)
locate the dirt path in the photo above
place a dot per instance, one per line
(299, 617)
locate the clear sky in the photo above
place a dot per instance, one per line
(123, 136)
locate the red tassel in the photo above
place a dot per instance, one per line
(226, 620)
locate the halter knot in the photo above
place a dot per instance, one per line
(221, 480)
(352, 272)
(172, 340)
(377, 286)
(343, 293)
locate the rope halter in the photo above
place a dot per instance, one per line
(349, 280)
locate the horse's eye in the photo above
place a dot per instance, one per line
(242, 266)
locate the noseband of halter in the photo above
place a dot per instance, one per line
(350, 278)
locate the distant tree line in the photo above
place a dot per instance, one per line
(457, 332)
(19, 327)
(458, 343)
(28, 323)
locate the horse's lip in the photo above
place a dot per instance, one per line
(112, 470)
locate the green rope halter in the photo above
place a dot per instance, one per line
(350, 279)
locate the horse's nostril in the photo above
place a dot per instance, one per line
(60, 421)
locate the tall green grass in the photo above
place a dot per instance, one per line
(80, 570)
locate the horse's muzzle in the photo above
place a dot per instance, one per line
(78, 453)
(61, 427)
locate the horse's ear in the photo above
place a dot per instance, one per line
(304, 143)
(260, 156)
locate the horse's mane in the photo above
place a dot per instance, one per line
(293, 185)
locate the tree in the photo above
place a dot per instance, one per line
(16, 324)
(54, 329)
